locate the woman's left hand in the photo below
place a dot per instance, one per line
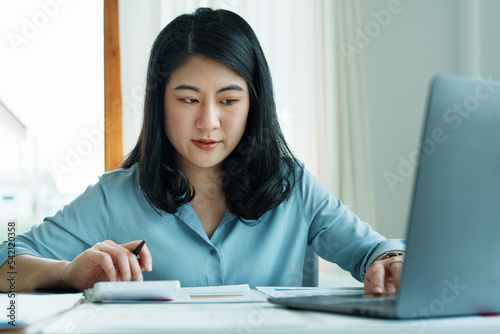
(384, 274)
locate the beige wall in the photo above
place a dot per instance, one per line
(424, 38)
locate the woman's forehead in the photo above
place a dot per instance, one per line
(203, 72)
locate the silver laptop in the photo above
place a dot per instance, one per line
(452, 264)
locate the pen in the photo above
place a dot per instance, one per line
(138, 248)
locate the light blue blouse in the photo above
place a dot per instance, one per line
(270, 253)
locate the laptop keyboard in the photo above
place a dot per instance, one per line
(388, 301)
(354, 298)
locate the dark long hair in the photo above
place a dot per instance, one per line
(261, 171)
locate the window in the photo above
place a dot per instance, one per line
(51, 106)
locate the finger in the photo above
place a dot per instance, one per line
(105, 261)
(396, 269)
(367, 281)
(135, 268)
(376, 275)
(368, 285)
(120, 258)
(390, 287)
(143, 263)
(146, 260)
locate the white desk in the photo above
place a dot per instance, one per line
(241, 318)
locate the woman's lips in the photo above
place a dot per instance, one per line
(205, 144)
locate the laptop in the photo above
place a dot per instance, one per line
(452, 264)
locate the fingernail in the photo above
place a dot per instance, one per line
(377, 289)
(149, 266)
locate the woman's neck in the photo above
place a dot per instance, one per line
(209, 202)
(205, 180)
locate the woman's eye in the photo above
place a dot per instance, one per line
(228, 102)
(190, 101)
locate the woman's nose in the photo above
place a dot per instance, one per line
(208, 118)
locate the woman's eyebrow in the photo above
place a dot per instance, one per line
(197, 90)
(187, 87)
(230, 87)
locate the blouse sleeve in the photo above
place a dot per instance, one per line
(336, 234)
(78, 226)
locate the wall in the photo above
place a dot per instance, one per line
(424, 38)
(489, 40)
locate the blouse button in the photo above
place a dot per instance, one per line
(213, 252)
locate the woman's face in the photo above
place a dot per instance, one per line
(206, 109)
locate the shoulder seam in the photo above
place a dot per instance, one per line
(104, 187)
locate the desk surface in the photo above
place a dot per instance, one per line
(253, 317)
(260, 317)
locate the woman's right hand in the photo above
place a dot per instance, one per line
(106, 261)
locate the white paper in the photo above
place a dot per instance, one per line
(176, 318)
(30, 308)
(306, 291)
(219, 294)
(244, 318)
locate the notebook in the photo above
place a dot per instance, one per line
(453, 244)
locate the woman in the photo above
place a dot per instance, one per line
(211, 185)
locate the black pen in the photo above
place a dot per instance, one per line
(138, 248)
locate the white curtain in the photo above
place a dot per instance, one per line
(319, 88)
(348, 162)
